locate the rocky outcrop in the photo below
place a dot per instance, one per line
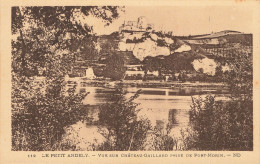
(183, 48)
(143, 44)
(205, 65)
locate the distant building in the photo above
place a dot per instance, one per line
(90, 73)
(154, 73)
(139, 25)
(134, 72)
(142, 23)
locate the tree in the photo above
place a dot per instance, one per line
(115, 68)
(41, 121)
(48, 31)
(47, 37)
(225, 125)
(125, 130)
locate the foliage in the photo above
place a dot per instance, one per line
(160, 140)
(176, 62)
(135, 40)
(152, 63)
(108, 43)
(40, 121)
(126, 131)
(115, 68)
(225, 125)
(240, 78)
(48, 39)
(220, 126)
(41, 33)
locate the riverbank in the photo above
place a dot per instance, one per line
(144, 84)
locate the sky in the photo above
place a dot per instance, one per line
(183, 20)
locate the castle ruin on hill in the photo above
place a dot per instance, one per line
(139, 25)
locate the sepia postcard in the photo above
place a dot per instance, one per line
(130, 82)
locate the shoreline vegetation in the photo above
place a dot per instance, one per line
(147, 84)
(50, 40)
(211, 121)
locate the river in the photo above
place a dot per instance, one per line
(161, 105)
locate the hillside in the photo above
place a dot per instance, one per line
(216, 34)
(156, 51)
(220, 38)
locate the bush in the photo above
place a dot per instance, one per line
(115, 68)
(125, 130)
(220, 125)
(160, 140)
(225, 125)
(39, 121)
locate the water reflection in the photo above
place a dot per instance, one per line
(162, 106)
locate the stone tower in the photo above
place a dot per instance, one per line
(142, 23)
